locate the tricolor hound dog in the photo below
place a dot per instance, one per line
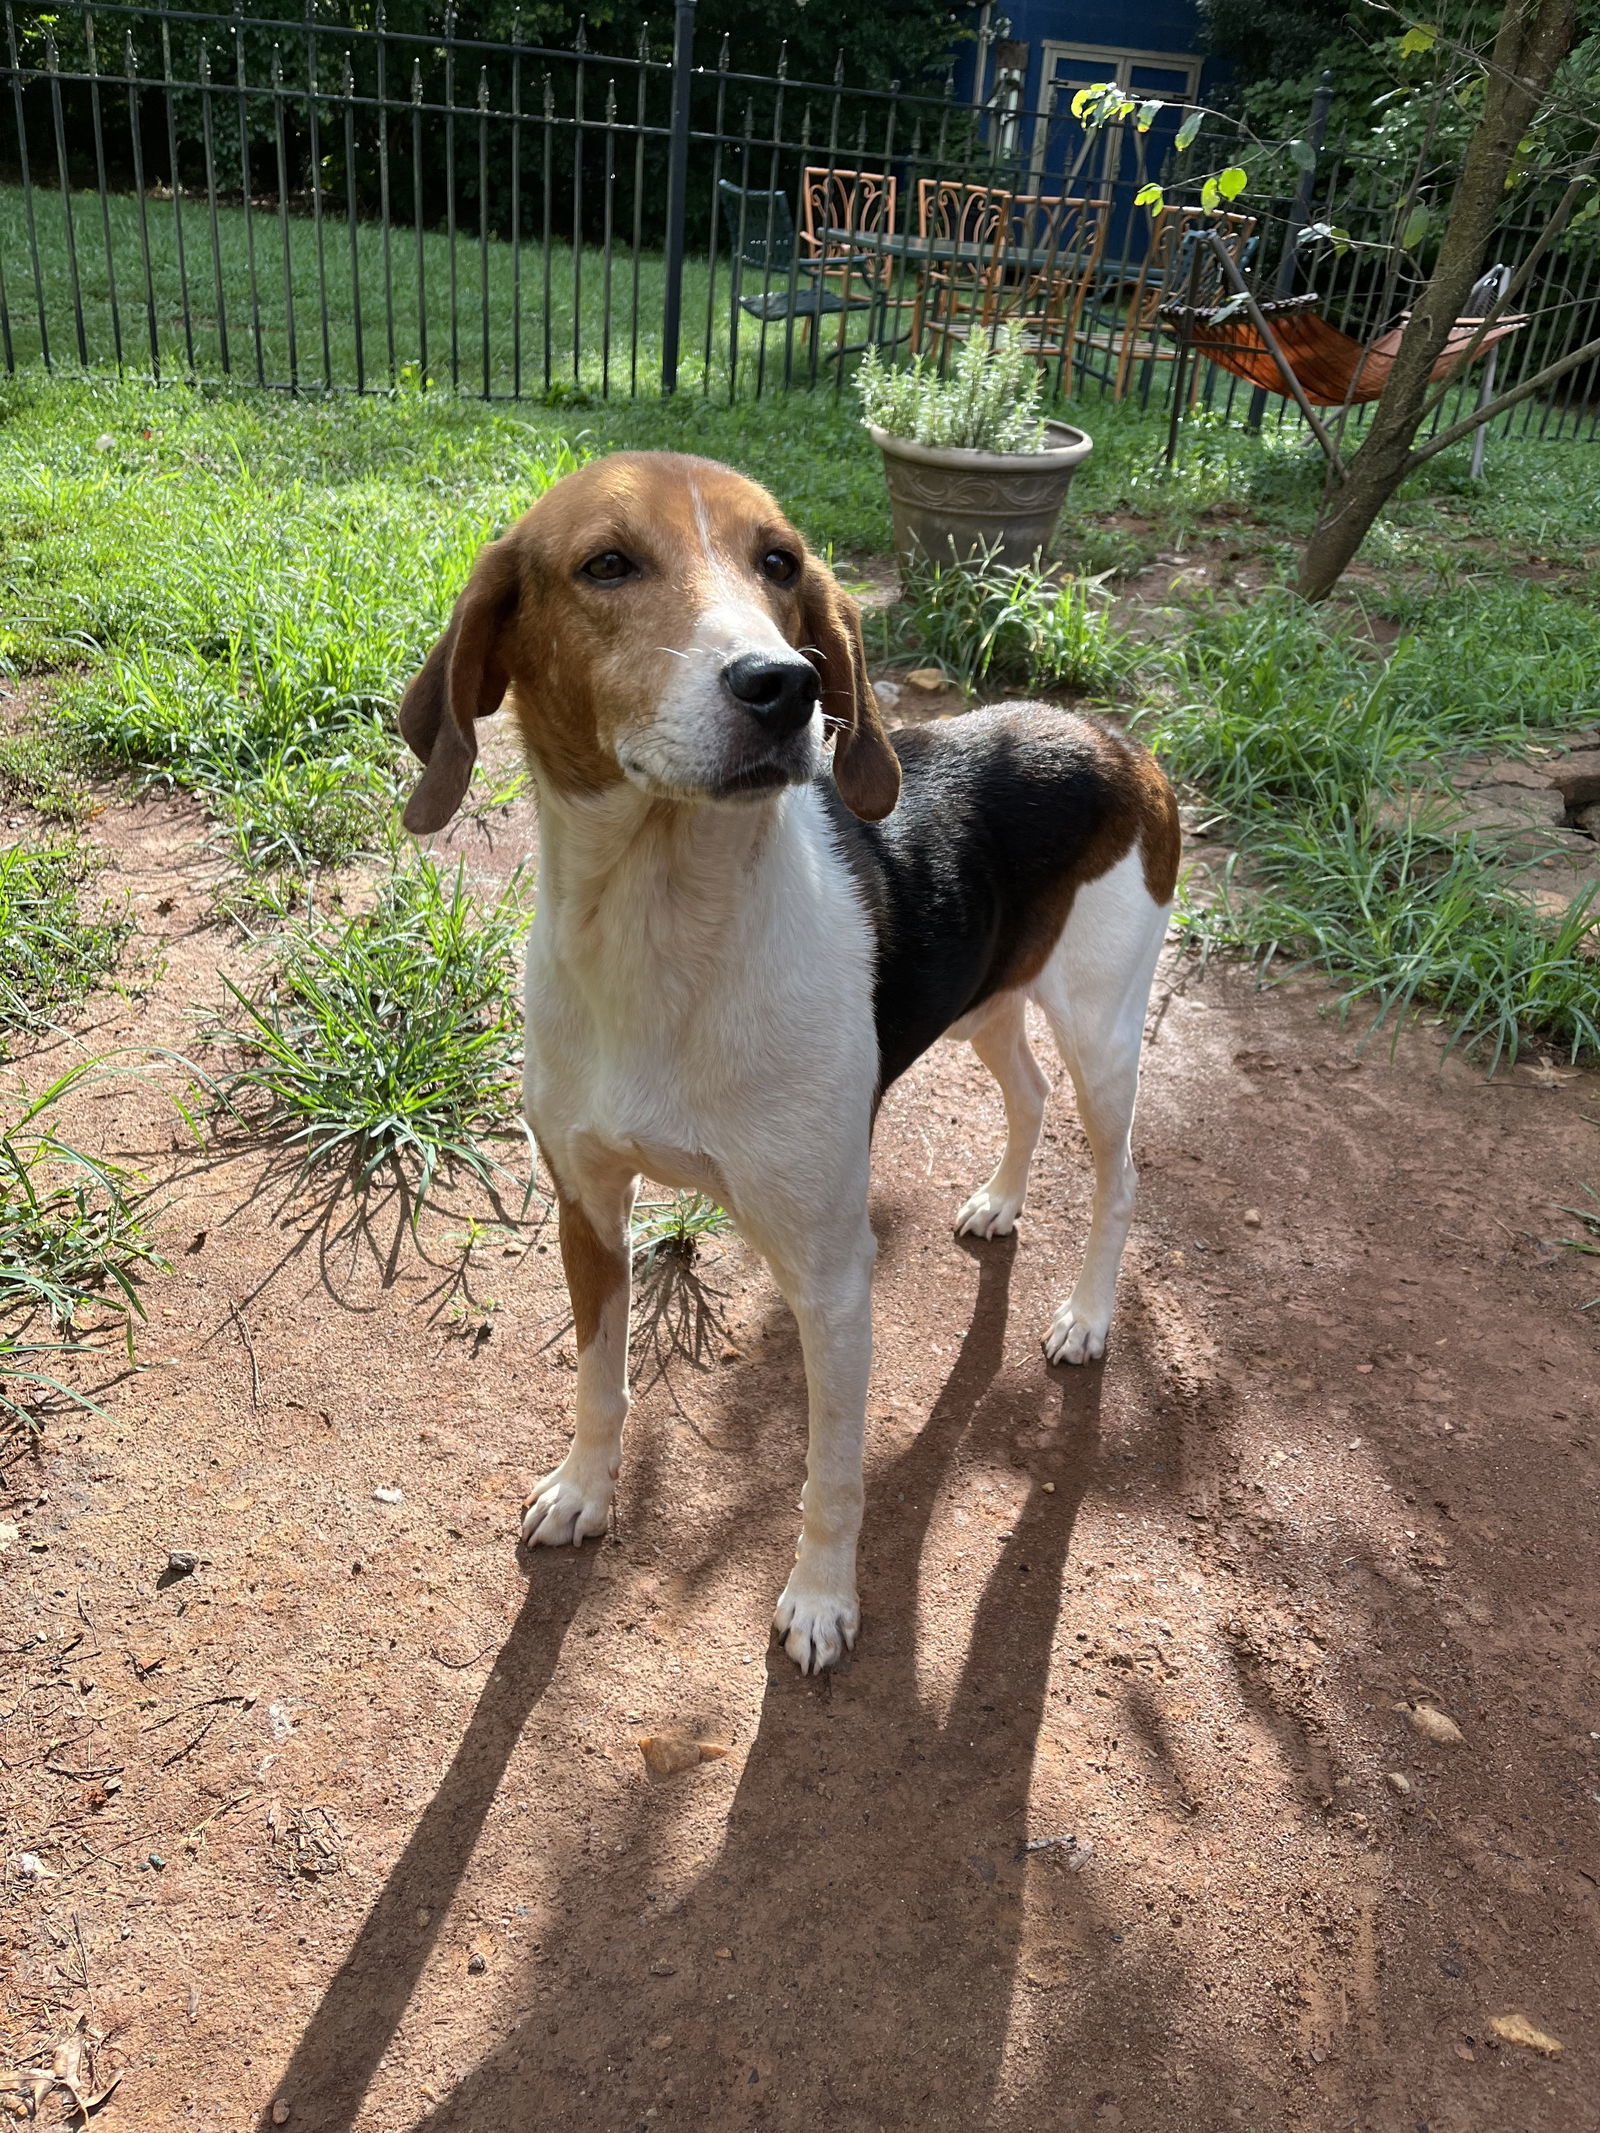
(739, 944)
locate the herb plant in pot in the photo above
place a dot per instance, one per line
(973, 468)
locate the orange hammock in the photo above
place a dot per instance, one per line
(1333, 370)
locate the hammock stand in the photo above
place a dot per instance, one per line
(1286, 346)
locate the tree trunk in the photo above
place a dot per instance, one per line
(1533, 38)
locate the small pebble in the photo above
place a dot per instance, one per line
(1437, 1726)
(926, 678)
(280, 2111)
(661, 2041)
(388, 1496)
(476, 1964)
(1252, 1218)
(183, 1561)
(157, 1861)
(1399, 1781)
(1517, 2029)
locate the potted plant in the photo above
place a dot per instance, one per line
(973, 467)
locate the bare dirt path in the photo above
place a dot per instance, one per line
(384, 1850)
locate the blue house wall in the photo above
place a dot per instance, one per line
(1136, 26)
(1030, 57)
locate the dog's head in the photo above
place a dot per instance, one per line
(657, 620)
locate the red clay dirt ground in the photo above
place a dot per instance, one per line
(1116, 1817)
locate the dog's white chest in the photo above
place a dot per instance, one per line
(701, 1033)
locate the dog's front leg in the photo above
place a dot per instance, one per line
(575, 1500)
(828, 1286)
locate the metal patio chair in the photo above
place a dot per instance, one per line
(963, 223)
(761, 229)
(1045, 261)
(1125, 327)
(850, 200)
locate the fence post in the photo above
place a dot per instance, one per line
(1299, 215)
(677, 193)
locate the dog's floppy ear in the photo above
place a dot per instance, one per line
(462, 679)
(865, 768)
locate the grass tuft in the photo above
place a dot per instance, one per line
(390, 1039)
(1281, 722)
(50, 954)
(71, 1241)
(986, 624)
(674, 1228)
(1588, 1240)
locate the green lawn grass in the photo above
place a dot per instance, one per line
(271, 303)
(1278, 716)
(232, 587)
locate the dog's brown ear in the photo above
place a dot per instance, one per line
(865, 768)
(462, 679)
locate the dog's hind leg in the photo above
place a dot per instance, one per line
(998, 1034)
(1094, 991)
(574, 1501)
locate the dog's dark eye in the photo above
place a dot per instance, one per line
(609, 566)
(780, 566)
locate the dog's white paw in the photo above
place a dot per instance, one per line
(817, 1625)
(988, 1214)
(572, 1504)
(1075, 1337)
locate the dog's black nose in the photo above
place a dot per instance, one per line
(779, 694)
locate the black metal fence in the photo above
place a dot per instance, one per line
(314, 205)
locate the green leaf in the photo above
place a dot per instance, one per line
(1210, 195)
(1147, 114)
(1232, 181)
(1416, 228)
(1188, 130)
(1421, 37)
(1150, 196)
(1100, 103)
(1303, 155)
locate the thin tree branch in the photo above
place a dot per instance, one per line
(1519, 281)
(1481, 415)
(1241, 288)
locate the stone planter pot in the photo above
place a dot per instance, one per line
(950, 504)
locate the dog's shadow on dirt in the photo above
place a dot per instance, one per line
(850, 1957)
